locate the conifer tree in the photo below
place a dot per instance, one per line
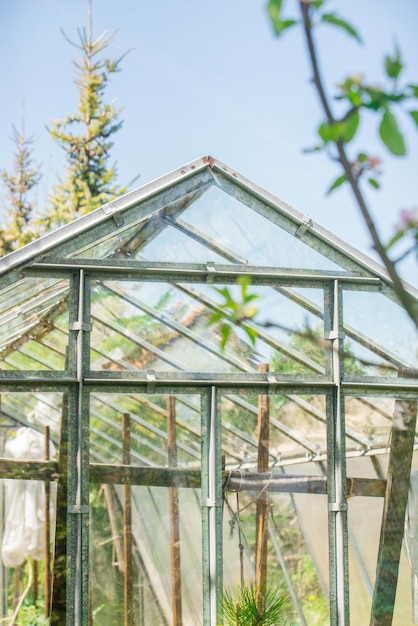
(20, 184)
(86, 137)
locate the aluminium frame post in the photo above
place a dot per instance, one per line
(78, 511)
(337, 480)
(211, 493)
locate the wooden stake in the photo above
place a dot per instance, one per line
(108, 491)
(59, 586)
(47, 531)
(35, 585)
(174, 515)
(262, 512)
(396, 497)
(127, 526)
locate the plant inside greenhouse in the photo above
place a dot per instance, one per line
(208, 416)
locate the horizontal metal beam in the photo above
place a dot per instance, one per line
(235, 480)
(198, 272)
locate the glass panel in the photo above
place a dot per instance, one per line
(34, 324)
(297, 429)
(23, 528)
(207, 225)
(368, 423)
(249, 235)
(165, 523)
(149, 417)
(381, 338)
(296, 524)
(164, 537)
(32, 410)
(166, 327)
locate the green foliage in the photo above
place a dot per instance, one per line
(358, 94)
(279, 24)
(332, 18)
(20, 184)
(86, 137)
(250, 606)
(360, 97)
(32, 614)
(391, 135)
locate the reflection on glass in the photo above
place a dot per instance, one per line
(157, 423)
(166, 327)
(155, 585)
(32, 307)
(380, 334)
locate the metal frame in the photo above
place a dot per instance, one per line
(141, 216)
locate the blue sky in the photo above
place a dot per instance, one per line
(211, 78)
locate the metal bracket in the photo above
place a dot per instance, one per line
(211, 502)
(151, 380)
(337, 507)
(272, 381)
(79, 509)
(335, 334)
(211, 269)
(118, 219)
(85, 326)
(304, 225)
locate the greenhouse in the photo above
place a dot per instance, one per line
(203, 391)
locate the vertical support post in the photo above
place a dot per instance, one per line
(47, 531)
(262, 510)
(211, 508)
(128, 590)
(78, 465)
(173, 495)
(3, 572)
(396, 498)
(59, 583)
(35, 585)
(108, 491)
(337, 482)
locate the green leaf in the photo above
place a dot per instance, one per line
(327, 132)
(391, 135)
(225, 334)
(414, 115)
(349, 126)
(337, 183)
(414, 89)
(331, 18)
(343, 130)
(393, 65)
(274, 8)
(313, 149)
(396, 237)
(252, 334)
(374, 183)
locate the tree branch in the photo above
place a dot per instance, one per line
(405, 298)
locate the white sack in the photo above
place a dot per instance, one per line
(24, 503)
